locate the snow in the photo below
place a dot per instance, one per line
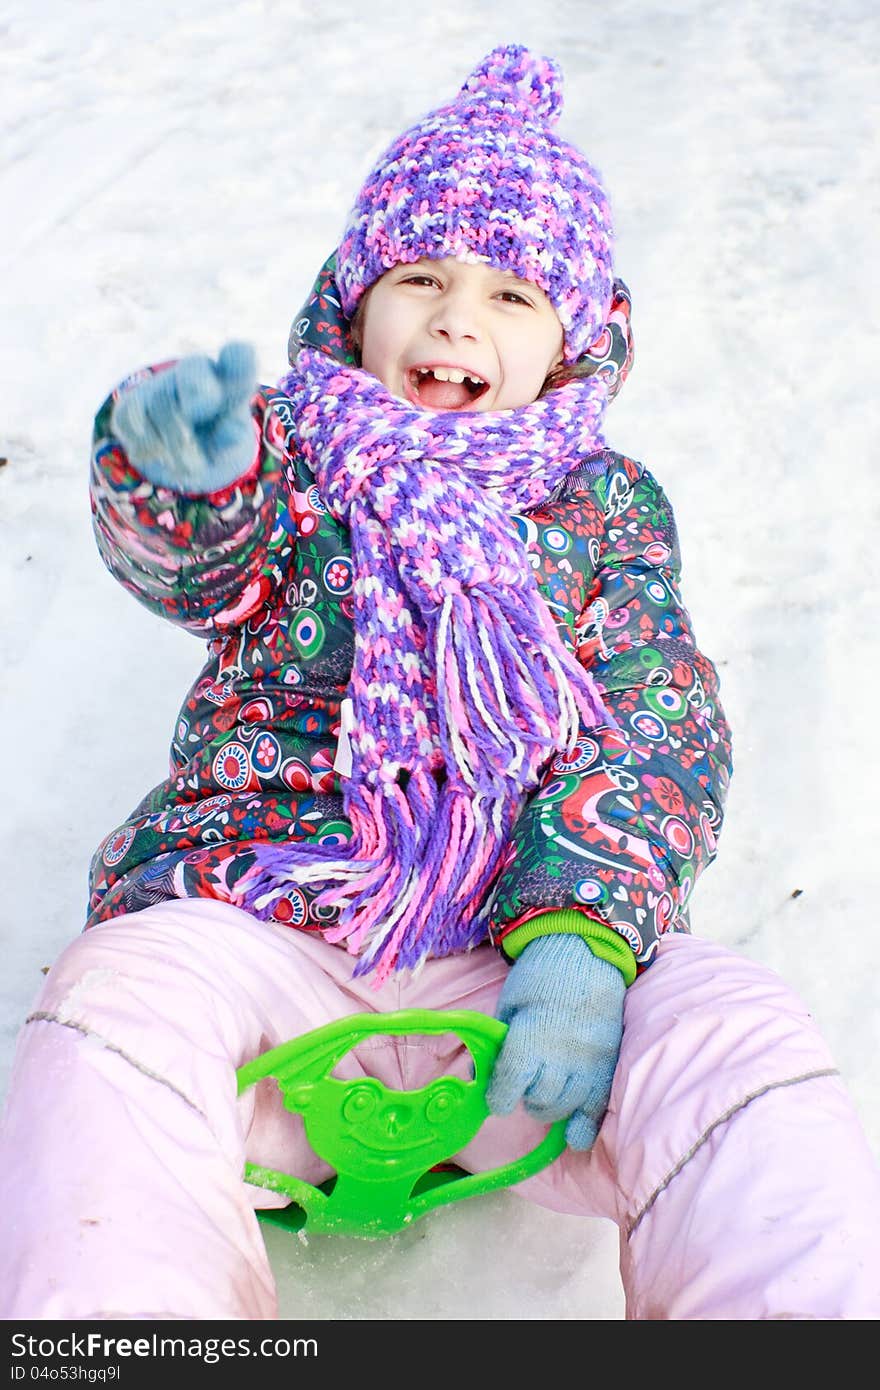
(173, 177)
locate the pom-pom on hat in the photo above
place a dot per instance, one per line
(486, 179)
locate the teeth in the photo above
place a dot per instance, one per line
(451, 374)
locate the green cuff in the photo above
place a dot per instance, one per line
(603, 941)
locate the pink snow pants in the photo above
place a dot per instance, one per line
(731, 1157)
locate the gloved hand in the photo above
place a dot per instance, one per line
(189, 427)
(564, 1011)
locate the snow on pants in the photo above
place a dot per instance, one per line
(731, 1157)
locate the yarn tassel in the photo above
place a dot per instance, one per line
(445, 903)
(502, 716)
(435, 854)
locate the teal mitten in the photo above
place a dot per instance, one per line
(189, 427)
(564, 1011)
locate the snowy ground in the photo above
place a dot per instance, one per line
(173, 176)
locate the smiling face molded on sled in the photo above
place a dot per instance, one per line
(384, 1144)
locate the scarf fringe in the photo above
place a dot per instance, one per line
(502, 717)
(418, 868)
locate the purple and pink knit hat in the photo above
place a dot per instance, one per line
(485, 178)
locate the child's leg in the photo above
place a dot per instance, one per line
(731, 1156)
(747, 1187)
(124, 1143)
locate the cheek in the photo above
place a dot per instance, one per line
(369, 345)
(382, 342)
(525, 374)
(368, 357)
(537, 352)
(556, 349)
(378, 359)
(372, 333)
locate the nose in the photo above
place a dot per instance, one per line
(456, 317)
(396, 1119)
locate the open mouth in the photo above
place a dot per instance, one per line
(444, 388)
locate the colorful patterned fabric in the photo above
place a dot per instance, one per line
(618, 828)
(461, 688)
(486, 178)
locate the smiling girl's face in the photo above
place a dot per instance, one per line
(448, 335)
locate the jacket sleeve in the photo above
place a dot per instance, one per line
(202, 562)
(621, 826)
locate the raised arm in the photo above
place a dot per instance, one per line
(183, 490)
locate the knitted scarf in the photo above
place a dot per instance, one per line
(461, 687)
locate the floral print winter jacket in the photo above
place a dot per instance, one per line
(620, 827)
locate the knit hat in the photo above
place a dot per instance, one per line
(485, 178)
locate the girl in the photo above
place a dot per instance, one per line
(454, 746)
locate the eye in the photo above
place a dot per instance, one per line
(511, 297)
(444, 1100)
(418, 279)
(360, 1103)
